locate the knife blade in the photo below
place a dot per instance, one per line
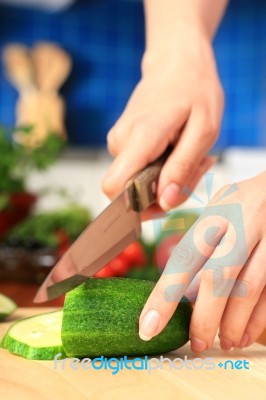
(110, 233)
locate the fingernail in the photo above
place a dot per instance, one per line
(198, 345)
(149, 325)
(225, 344)
(169, 197)
(244, 340)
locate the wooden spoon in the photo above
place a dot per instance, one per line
(52, 66)
(19, 68)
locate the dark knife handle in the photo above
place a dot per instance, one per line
(142, 188)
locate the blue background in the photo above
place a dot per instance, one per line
(106, 40)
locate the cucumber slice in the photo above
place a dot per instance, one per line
(7, 306)
(37, 337)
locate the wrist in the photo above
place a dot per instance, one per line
(164, 21)
(188, 43)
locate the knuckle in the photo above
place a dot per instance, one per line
(223, 283)
(231, 333)
(200, 328)
(207, 277)
(210, 115)
(210, 129)
(216, 283)
(111, 135)
(180, 108)
(210, 132)
(225, 273)
(247, 289)
(111, 142)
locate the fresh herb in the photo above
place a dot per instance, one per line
(17, 161)
(42, 228)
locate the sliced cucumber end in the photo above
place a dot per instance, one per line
(7, 307)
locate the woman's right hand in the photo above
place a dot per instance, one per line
(179, 101)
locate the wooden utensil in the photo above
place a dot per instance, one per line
(19, 67)
(52, 66)
(38, 75)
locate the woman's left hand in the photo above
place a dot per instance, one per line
(222, 258)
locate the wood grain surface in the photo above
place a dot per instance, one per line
(30, 380)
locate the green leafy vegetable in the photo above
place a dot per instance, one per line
(42, 228)
(17, 161)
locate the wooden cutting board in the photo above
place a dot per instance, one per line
(25, 379)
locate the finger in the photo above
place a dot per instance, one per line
(117, 137)
(216, 283)
(192, 291)
(184, 263)
(156, 211)
(243, 299)
(147, 140)
(137, 153)
(195, 141)
(201, 169)
(256, 323)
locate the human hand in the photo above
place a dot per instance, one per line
(179, 101)
(223, 257)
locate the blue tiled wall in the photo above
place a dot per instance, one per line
(106, 39)
(240, 48)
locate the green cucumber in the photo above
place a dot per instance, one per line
(7, 306)
(36, 338)
(101, 318)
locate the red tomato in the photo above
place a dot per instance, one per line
(120, 265)
(105, 272)
(135, 253)
(165, 248)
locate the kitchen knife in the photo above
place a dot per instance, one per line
(111, 232)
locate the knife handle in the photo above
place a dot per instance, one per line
(142, 188)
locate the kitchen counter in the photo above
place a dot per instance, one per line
(26, 379)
